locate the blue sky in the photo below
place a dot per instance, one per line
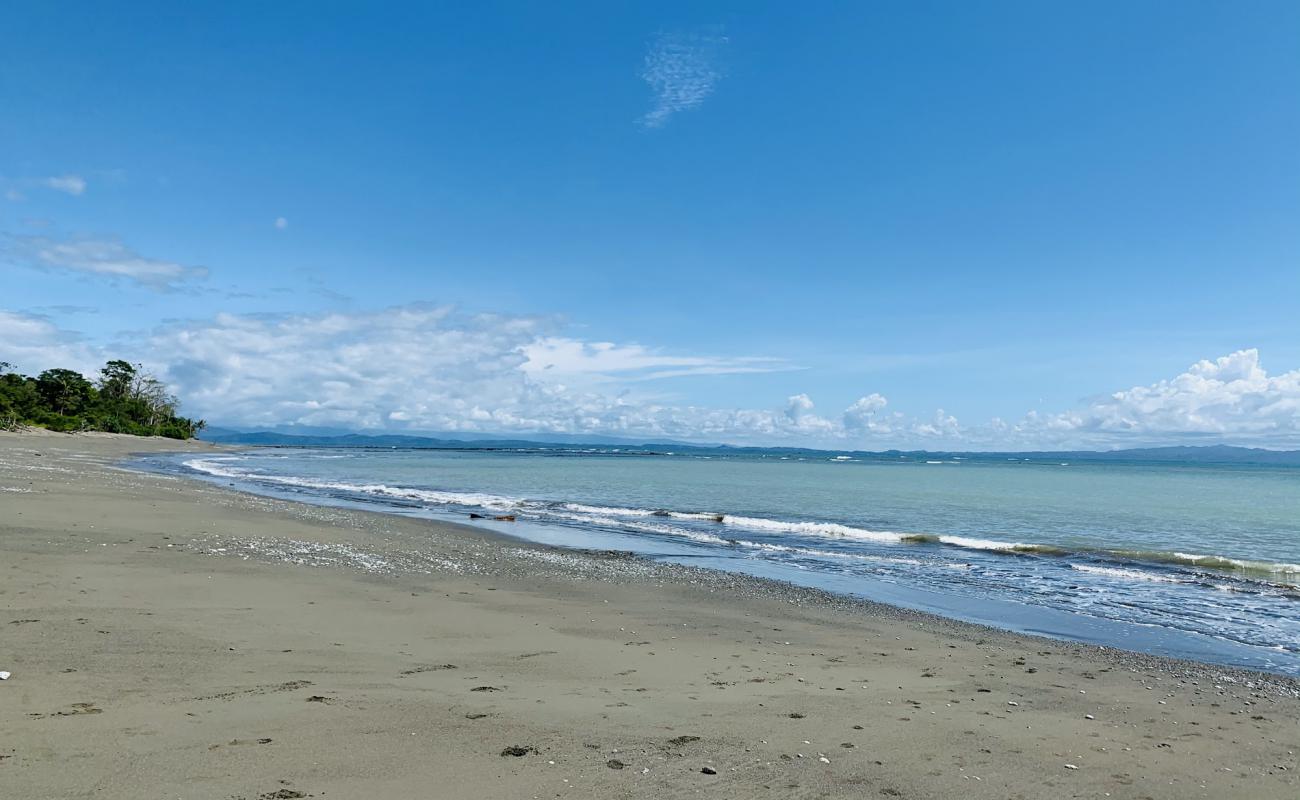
(685, 219)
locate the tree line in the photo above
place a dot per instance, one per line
(124, 398)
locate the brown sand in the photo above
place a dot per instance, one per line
(162, 648)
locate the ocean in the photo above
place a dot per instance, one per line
(1181, 559)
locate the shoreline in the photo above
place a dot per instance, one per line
(773, 677)
(1173, 645)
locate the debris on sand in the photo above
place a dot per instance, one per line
(426, 668)
(518, 750)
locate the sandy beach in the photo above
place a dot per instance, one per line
(171, 639)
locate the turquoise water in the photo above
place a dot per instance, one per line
(1190, 560)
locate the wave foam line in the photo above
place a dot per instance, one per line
(494, 502)
(1129, 574)
(616, 515)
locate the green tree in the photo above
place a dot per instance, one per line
(64, 391)
(128, 400)
(116, 380)
(18, 399)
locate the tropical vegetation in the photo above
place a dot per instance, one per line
(124, 398)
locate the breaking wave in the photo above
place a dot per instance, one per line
(716, 528)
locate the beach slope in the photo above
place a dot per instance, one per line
(169, 638)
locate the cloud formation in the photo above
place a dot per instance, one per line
(15, 189)
(32, 341)
(68, 184)
(105, 257)
(1229, 398)
(424, 368)
(682, 71)
(428, 368)
(573, 360)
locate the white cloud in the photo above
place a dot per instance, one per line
(682, 70)
(33, 343)
(1231, 398)
(866, 416)
(281, 223)
(68, 184)
(103, 257)
(576, 361)
(429, 368)
(940, 425)
(419, 368)
(16, 189)
(425, 368)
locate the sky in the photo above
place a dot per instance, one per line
(851, 225)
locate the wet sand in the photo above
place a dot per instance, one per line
(168, 638)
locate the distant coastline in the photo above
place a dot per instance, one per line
(1202, 454)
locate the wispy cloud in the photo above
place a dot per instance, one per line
(105, 257)
(17, 189)
(574, 361)
(682, 70)
(69, 184)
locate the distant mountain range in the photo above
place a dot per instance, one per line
(1210, 454)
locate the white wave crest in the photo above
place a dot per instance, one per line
(984, 544)
(1128, 574)
(828, 529)
(488, 501)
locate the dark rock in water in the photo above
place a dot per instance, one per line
(709, 771)
(681, 740)
(614, 763)
(505, 518)
(477, 516)
(518, 750)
